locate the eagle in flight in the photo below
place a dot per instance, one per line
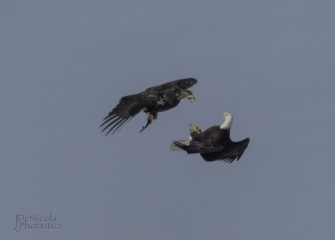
(151, 101)
(214, 143)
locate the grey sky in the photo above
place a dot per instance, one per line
(65, 64)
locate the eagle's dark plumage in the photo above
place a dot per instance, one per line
(214, 143)
(153, 100)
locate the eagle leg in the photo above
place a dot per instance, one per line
(151, 117)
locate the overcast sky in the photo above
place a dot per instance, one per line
(65, 64)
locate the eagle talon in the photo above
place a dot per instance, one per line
(144, 127)
(150, 119)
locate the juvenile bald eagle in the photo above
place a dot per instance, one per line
(151, 101)
(214, 143)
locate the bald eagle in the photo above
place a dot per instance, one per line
(151, 101)
(214, 143)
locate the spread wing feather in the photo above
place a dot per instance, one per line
(126, 109)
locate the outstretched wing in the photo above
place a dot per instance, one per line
(126, 109)
(234, 153)
(196, 147)
(176, 84)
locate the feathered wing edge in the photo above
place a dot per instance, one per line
(174, 147)
(196, 147)
(113, 123)
(124, 111)
(172, 85)
(235, 152)
(212, 153)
